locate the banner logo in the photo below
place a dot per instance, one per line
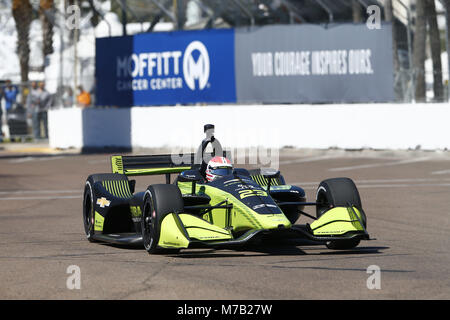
(166, 68)
(196, 70)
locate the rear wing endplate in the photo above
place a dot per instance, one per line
(152, 164)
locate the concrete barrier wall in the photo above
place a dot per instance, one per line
(65, 128)
(378, 126)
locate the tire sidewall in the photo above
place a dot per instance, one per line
(322, 197)
(88, 213)
(328, 191)
(328, 196)
(150, 234)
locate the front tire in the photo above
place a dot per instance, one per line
(159, 201)
(334, 193)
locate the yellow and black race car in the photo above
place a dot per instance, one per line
(241, 207)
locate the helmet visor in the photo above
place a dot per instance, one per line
(222, 171)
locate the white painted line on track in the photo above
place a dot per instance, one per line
(38, 191)
(377, 165)
(21, 160)
(302, 160)
(28, 159)
(405, 185)
(361, 184)
(98, 161)
(441, 172)
(42, 198)
(380, 181)
(387, 186)
(403, 180)
(309, 159)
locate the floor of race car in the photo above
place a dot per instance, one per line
(405, 196)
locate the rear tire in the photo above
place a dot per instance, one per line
(334, 193)
(88, 211)
(159, 201)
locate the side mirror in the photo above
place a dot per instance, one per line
(192, 176)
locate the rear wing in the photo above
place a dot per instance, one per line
(151, 165)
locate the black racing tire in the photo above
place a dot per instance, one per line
(88, 210)
(334, 193)
(159, 200)
(89, 200)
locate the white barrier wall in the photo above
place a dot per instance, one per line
(379, 126)
(65, 128)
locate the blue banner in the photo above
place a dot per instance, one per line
(166, 68)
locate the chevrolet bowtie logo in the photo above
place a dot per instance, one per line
(102, 202)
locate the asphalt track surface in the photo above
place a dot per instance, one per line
(406, 196)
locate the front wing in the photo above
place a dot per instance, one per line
(182, 230)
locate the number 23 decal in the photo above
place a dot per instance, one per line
(251, 193)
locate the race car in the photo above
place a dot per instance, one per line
(240, 207)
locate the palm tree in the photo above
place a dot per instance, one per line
(45, 13)
(447, 15)
(389, 17)
(95, 14)
(419, 51)
(22, 13)
(435, 44)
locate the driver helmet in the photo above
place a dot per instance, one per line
(218, 167)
